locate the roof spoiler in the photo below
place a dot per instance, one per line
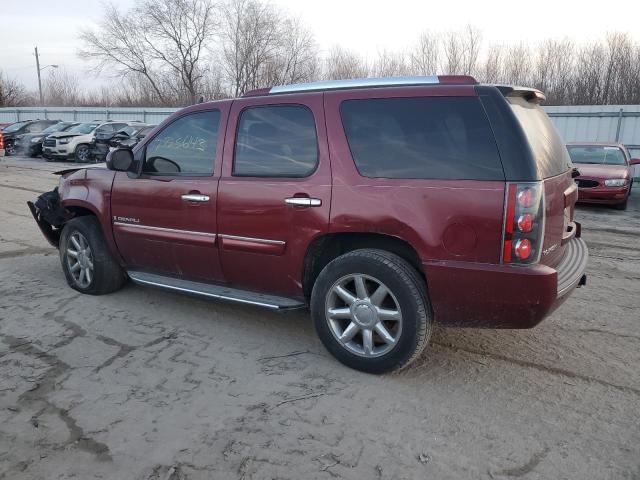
(532, 95)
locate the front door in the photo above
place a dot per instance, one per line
(165, 220)
(275, 191)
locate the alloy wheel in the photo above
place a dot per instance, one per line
(83, 154)
(363, 315)
(80, 260)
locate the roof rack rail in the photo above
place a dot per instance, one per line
(365, 83)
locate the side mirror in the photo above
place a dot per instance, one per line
(575, 172)
(634, 161)
(120, 160)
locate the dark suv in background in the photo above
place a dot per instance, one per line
(11, 133)
(384, 205)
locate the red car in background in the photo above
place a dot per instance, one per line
(606, 172)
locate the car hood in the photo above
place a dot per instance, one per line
(65, 135)
(602, 171)
(97, 166)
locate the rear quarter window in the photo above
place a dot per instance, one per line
(421, 137)
(549, 151)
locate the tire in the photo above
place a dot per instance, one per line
(623, 205)
(10, 150)
(406, 294)
(106, 274)
(82, 154)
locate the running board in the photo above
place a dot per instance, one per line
(219, 292)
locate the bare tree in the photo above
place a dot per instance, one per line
(425, 56)
(62, 88)
(176, 33)
(453, 49)
(295, 60)
(492, 70)
(250, 42)
(341, 63)
(472, 41)
(118, 46)
(390, 64)
(12, 92)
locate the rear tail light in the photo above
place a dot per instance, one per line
(1, 141)
(523, 223)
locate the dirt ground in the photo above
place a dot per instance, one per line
(144, 384)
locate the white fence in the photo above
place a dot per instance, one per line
(86, 114)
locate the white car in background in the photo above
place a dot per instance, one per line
(76, 143)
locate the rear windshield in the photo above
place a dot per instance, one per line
(425, 137)
(548, 148)
(597, 154)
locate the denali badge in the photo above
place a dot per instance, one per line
(547, 251)
(126, 219)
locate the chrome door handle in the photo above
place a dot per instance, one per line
(303, 201)
(195, 197)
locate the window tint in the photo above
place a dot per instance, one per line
(434, 137)
(276, 141)
(548, 148)
(186, 146)
(107, 128)
(421, 137)
(37, 127)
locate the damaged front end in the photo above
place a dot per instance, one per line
(50, 215)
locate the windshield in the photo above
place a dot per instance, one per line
(14, 127)
(597, 154)
(57, 127)
(84, 128)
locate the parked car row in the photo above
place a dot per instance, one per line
(64, 140)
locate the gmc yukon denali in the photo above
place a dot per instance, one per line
(382, 205)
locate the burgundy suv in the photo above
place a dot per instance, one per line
(384, 205)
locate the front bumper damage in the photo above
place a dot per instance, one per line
(50, 215)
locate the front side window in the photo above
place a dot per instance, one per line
(597, 154)
(187, 146)
(421, 137)
(276, 141)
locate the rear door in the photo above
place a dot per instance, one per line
(165, 220)
(275, 190)
(554, 168)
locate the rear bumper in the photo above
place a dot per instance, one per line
(500, 296)
(606, 195)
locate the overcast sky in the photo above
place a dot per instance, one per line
(366, 26)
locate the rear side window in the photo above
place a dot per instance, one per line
(186, 146)
(424, 137)
(276, 141)
(548, 149)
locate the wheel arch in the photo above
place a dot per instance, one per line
(325, 248)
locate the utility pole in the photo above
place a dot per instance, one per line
(39, 81)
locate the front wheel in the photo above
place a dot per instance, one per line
(86, 260)
(82, 154)
(371, 311)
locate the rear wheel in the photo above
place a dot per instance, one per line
(371, 311)
(86, 260)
